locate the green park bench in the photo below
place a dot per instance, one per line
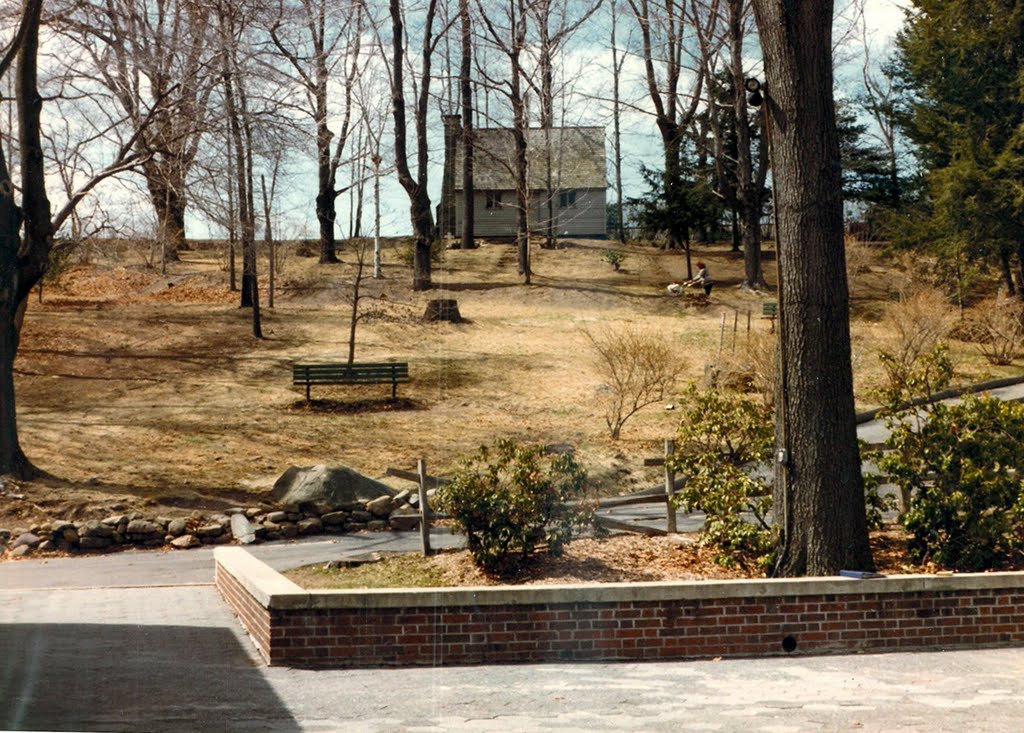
(770, 310)
(389, 372)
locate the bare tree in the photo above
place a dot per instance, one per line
(819, 492)
(509, 40)
(355, 296)
(26, 229)
(617, 62)
(147, 53)
(669, 50)
(466, 97)
(373, 111)
(740, 181)
(639, 368)
(420, 213)
(318, 38)
(554, 27)
(232, 23)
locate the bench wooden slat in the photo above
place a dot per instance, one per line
(387, 372)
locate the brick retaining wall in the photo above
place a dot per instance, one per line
(627, 621)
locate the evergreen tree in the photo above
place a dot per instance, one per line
(963, 62)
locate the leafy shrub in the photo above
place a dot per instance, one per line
(958, 468)
(510, 500)
(722, 438)
(638, 367)
(614, 257)
(963, 465)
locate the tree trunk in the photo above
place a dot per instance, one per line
(1007, 271)
(819, 492)
(22, 263)
(415, 188)
(466, 92)
(617, 134)
(748, 194)
(12, 460)
(326, 206)
(169, 204)
(1020, 270)
(326, 214)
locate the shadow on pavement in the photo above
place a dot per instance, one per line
(98, 677)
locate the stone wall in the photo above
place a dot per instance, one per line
(615, 622)
(236, 525)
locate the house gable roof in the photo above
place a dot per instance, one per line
(578, 158)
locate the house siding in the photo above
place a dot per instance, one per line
(586, 219)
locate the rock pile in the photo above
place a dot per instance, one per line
(240, 525)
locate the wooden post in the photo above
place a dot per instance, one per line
(735, 327)
(670, 484)
(721, 340)
(421, 469)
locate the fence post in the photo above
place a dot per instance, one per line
(421, 468)
(670, 484)
(721, 339)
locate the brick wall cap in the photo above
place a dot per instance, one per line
(273, 590)
(266, 585)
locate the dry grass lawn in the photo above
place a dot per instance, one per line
(143, 390)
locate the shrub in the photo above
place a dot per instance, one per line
(996, 327)
(963, 465)
(510, 500)
(638, 368)
(614, 257)
(920, 322)
(751, 368)
(722, 439)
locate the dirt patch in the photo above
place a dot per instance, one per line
(615, 559)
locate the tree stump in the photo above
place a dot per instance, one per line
(443, 310)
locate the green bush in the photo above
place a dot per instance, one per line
(958, 467)
(614, 257)
(721, 438)
(962, 466)
(510, 501)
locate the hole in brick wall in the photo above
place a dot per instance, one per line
(789, 644)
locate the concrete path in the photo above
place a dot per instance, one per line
(142, 641)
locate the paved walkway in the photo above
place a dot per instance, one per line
(142, 641)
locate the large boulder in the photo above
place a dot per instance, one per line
(339, 487)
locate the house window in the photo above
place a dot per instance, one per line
(567, 200)
(492, 199)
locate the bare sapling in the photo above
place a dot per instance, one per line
(637, 367)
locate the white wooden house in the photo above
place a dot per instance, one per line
(578, 182)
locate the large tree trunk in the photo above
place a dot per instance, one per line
(819, 494)
(326, 206)
(12, 460)
(22, 263)
(169, 202)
